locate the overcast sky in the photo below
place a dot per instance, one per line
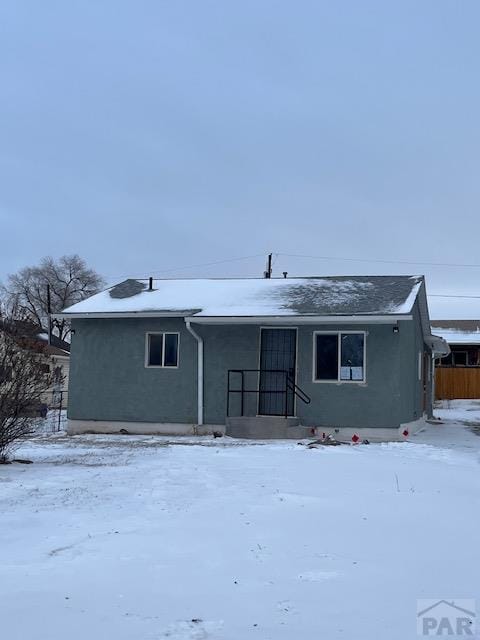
(151, 136)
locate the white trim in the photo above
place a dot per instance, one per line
(297, 320)
(294, 319)
(338, 380)
(147, 349)
(119, 314)
(263, 415)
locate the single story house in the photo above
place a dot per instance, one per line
(272, 357)
(458, 373)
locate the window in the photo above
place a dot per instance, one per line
(459, 358)
(468, 357)
(161, 350)
(326, 367)
(339, 356)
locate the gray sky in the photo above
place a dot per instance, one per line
(148, 136)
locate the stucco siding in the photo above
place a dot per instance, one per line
(109, 380)
(228, 347)
(374, 403)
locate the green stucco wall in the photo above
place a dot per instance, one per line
(109, 381)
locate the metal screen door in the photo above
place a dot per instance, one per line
(277, 351)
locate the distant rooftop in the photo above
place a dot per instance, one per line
(246, 297)
(457, 331)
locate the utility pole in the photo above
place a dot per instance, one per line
(268, 272)
(49, 311)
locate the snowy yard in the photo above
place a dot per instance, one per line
(133, 538)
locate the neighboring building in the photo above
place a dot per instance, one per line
(54, 355)
(57, 355)
(350, 356)
(463, 337)
(458, 374)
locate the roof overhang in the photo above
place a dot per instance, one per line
(119, 314)
(287, 319)
(294, 320)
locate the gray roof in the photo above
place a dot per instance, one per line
(458, 332)
(246, 297)
(457, 325)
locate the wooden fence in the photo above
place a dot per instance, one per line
(457, 382)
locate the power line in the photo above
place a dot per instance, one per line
(407, 262)
(292, 255)
(450, 295)
(191, 266)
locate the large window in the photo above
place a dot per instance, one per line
(339, 356)
(161, 350)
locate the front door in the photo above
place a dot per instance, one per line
(277, 353)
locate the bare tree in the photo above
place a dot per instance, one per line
(24, 380)
(67, 280)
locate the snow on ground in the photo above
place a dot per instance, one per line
(143, 538)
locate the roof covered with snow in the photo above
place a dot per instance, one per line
(457, 331)
(246, 297)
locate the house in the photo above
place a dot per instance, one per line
(271, 357)
(54, 355)
(458, 373)
(57, 355)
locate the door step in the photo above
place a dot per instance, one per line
(264, 428)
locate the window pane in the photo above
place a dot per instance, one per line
(326, 367)
(473, 357)
(171, 350)
(351, 365)
(460, 358)
(155, 348)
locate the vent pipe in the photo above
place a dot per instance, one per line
(150, 284)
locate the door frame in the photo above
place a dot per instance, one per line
(259, 365)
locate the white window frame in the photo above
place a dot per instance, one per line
(339, 357)
(147, 349)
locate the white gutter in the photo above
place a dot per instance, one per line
(271, 319)
(119, 314)
(299, 319)
(199, 340)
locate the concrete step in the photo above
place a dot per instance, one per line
(263, 427)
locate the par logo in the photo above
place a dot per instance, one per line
(447, 618)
